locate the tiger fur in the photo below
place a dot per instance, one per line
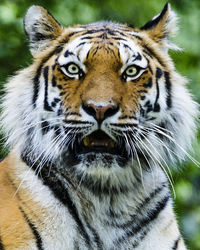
(92, 126)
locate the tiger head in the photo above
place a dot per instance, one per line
(99, 98)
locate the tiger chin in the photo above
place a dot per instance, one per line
(93, 126)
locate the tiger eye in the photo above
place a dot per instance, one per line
(131, 71)
(73, 69)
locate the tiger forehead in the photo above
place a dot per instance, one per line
(106, 30)
(101, 42)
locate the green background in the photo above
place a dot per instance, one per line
(14, 55)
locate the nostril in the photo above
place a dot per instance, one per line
(89, 110)
(111, 111)
(100, 112)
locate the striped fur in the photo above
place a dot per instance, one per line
(92, 126)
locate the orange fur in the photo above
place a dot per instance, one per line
(15, 231)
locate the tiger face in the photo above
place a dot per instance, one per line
(101, 81)
(103, 97)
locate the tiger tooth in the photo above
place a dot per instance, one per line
(86, 141)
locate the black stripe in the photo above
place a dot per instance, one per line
(97, 239)
(148, 84)
(68, 53)
(158, 73)
(120, 33)
(126, 46)
(142, 91)
(149, 106)
(153, 22)
(95, 186)
(36, 84)
(147, 53)
(53, 81)
(127, 117)
(45, 127)
(125, 125)
(104, 30)
(34, 230)
(46, 76)
(142, 225)
(168, 89)
(38, 73)
(150, 69)
(77, 122)
(156, 105)
(138, 57)
(1, 244)
(80, 44)
(72, 113)
(175, 246)
(39, 36)
(61, 193)
(87, 37)
(145, 202)
(60, 86)
(136, 36)
(94, 52)
(119, 39)
(153, 53)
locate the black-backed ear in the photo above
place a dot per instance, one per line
(41, 28)
(162, 26)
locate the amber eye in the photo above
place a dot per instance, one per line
(73, 69)
(131, 71)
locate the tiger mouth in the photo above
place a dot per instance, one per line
(99, 142)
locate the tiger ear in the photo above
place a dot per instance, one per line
(162, 26)
(41, 28)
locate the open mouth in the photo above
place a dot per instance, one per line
(95, 148)
(98, 146)
(99, 142)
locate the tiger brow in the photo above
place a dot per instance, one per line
(68, 53)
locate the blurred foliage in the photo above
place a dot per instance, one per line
(14, 55)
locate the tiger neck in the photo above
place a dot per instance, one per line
(123, 202)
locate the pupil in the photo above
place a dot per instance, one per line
(74, 68)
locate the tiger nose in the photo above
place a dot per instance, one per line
(100, 112)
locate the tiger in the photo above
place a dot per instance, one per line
(93, 127)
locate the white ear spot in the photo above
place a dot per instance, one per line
(41, 28)
(32, 17)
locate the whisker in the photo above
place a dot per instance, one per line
(133, 149)
(23, 129)
(135, 139)
(170, 178)
(159, 127)
(43, 160)
(182, 149)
